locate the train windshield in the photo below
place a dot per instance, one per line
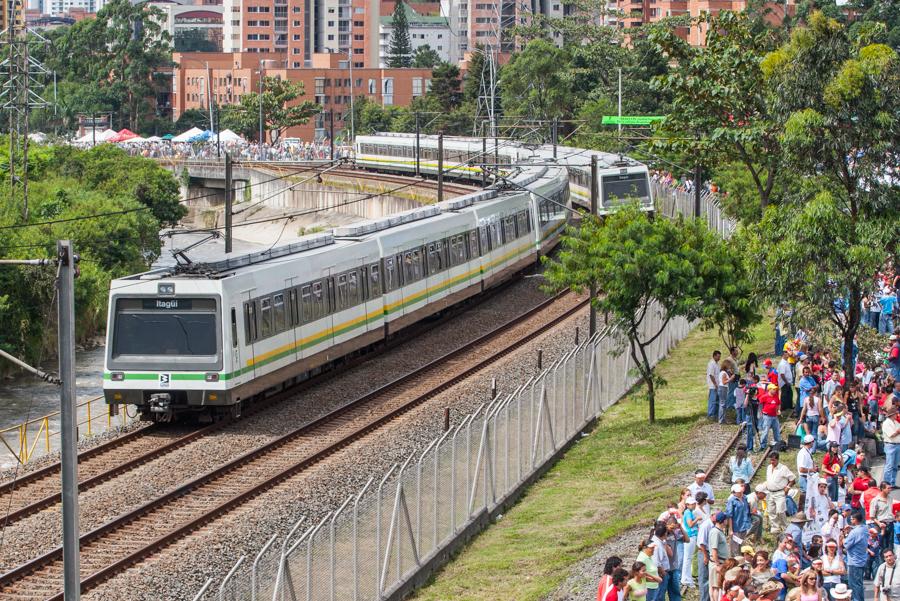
(165, 326)
(619, 188)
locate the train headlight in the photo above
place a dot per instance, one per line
(212, 377)
(117, 376)
(166, 288)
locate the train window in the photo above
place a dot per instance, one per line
(391, 275)
(484, 239)
(473, 244)
(295, 309)
(353, 288)
(279, 313)
(341, 292)
(522, 222)
(374, 281)
(248, 334)
(318, 300)
(412, 266)
(509, 228)
(307, 304)
(496, 234)
(252, 325)
(435, 258)
(265, 317)
(234, 334)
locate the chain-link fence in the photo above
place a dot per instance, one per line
(397, 529)
(674, 201)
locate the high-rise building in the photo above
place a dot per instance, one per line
(424, 30)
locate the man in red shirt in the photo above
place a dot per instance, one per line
(770, 405)
(831, 466)
(859, 486)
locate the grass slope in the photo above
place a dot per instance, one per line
(619, 475)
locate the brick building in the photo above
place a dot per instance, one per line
(327, 81)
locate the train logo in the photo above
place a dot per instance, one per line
(164, 380)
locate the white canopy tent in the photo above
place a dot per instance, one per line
(186, 136)
(154, 139)
(102, 136)
(226, 135)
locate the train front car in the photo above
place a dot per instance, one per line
(622, 180)
(164, 346)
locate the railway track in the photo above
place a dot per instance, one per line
(37, 490)
(133, 536)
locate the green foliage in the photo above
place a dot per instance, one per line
(192, 118)
(723, 112)
(836, 95)
(445, 86)
(645, 266)
(536, 84)
(110, 63)
(280, 109)
(71, 184)
(400, 52)
(426, 57)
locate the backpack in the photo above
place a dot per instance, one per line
(790, 506)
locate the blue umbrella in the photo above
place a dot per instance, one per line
(202, 137)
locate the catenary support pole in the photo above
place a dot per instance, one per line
(595, 192)
(69, 420)
(555, 134)
(697, 190)
(483, 161)
(229, 200)
(331, 133)
(440, 190)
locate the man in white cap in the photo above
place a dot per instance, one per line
(738, 511)
(805, 464)
(701, 485)
(757, 502)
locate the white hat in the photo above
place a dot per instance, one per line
(760, 488)
(690, 501)
(699, 474)
(840, 591)
(737, 488)
(809, 439)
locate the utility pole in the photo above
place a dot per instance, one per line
(331, 133)
(440, 190)
(352, 118)
(620, 112)
(69, 420)
(595, 191)
(418, 167)
(229, 201)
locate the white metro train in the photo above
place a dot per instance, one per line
(207, 339)
(621, 179)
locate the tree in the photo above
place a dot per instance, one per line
(836, 95)
(535, 83)
(426, 57)
(193, 118)
(400, 52)
(645, 266)
(723, 112)
(445, 86)
(117, 65)
(279, 109)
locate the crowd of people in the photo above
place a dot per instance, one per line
(810, 531)
(289, 150)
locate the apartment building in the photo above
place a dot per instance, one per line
(424, 30)
(223, 78)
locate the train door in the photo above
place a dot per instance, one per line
(235, 352)
(290, 311)
(250, 334)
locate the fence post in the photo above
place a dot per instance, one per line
(309, 543)
(437, 456)
(331, 556)
(356, 537)
(254, 572)
(229, 576)
(378, 526)
(419, 489)
(282, 562)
